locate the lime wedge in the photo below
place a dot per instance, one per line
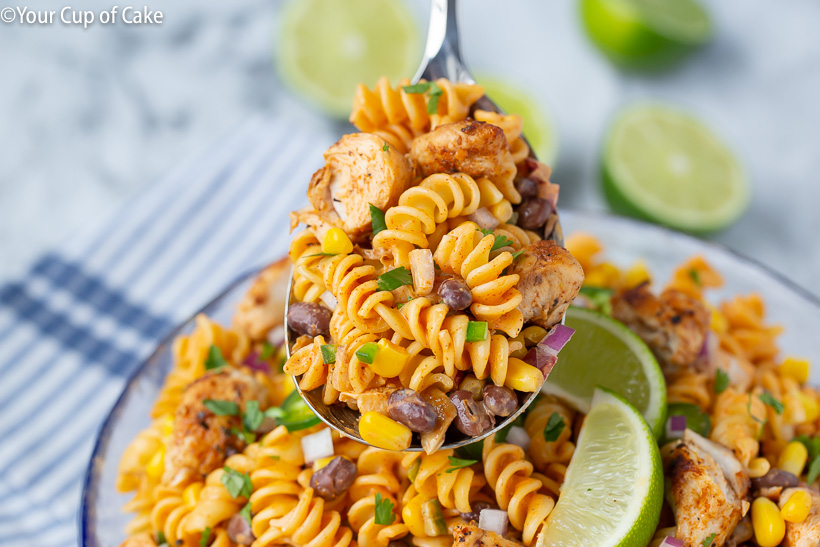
(645, 32)
(603, 352)
(537, 124)
(327, 47)
(613, 488)
(662, 165)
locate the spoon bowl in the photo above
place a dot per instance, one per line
(442, 59)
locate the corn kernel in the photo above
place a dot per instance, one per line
(603, 275)
(336, 242)
(810, 405)
(797, 507)
(795, 368)
(793, 458)
(637, 274)
(522, 376)
(191, 494)
(768, 525)
(321, 462)
(717, 321)
(758, 467)
(379, 430)
(389, 361)
(156, 465)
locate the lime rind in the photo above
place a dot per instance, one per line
(687, 205)
(616, 459)
(568, 382)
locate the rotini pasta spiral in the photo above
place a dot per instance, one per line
(215, 504)
(305, 252)
(423, 207)
(171, 510)
(550, 457)
(495, 299)
(398, 117)
(690, 387)
(738, 419)
(454, 489)
(307, 524)
(509, 474)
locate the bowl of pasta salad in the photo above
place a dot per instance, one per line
(421, 307)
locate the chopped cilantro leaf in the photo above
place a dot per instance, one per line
(328, 354)
(421, 87)
(501, 241)
(386, 147)
(221, 408)
(516, 254)
(377, 219)
(721, 381)
(814, 470)
(161, 540)
(812, 445)
(458, 463)
(267, 350)
(485, 231)
(384, 511)
(772, 402)
(206, 537)
(695, 275)
(320, 254)
(554, 427)
(709, 540)
(246, 513)
(394, 279)
(253, 417)
(237, 484)
(215, 359)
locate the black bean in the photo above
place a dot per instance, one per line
(528, 188)
(533, 213)
(334, 479)
(408, 407)
(471, 417)
(455, 294)
(239, 531)
(775, 477)
(476, 507)
(500, 400)
(309, 318)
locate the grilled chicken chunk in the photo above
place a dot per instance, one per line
(263, 306)
(358, 171)
(673, 324)
(476, 148)
(200, 440)
(806, 533)
(469, 535)
(707, 489)
(549, 279)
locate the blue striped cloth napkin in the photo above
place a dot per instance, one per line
(85, 316)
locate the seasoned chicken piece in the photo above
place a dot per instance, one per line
(673, 324)
(469, 535)
(550, 279)
(319, 223)
(476, 148)
(140, 540)
(200, 440)
(358, 171)
(372, 400)
(707, 489)
(263, 306)
(806, 533)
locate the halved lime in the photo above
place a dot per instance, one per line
(645, 32)
(663, 165)
(613, 489)
(603, 352)
(326, 47)
(538, 127)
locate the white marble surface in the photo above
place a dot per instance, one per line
(92, 117)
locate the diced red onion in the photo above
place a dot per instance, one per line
(518, 436)
(276, 337)
(670, 541)
(542, 359)
(556, 338)
(484, 218)
(675, 426)
(493, 520)
(328, 300)
(317, 446)
(253, 362)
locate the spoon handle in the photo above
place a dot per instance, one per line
(442, 53)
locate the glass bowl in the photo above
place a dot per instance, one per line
(101, 518)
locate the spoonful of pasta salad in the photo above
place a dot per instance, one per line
(430, 283)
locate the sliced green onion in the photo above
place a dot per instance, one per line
(328, 354)
(477, 331)
(367, 352)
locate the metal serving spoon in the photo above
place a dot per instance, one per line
(442, 59)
